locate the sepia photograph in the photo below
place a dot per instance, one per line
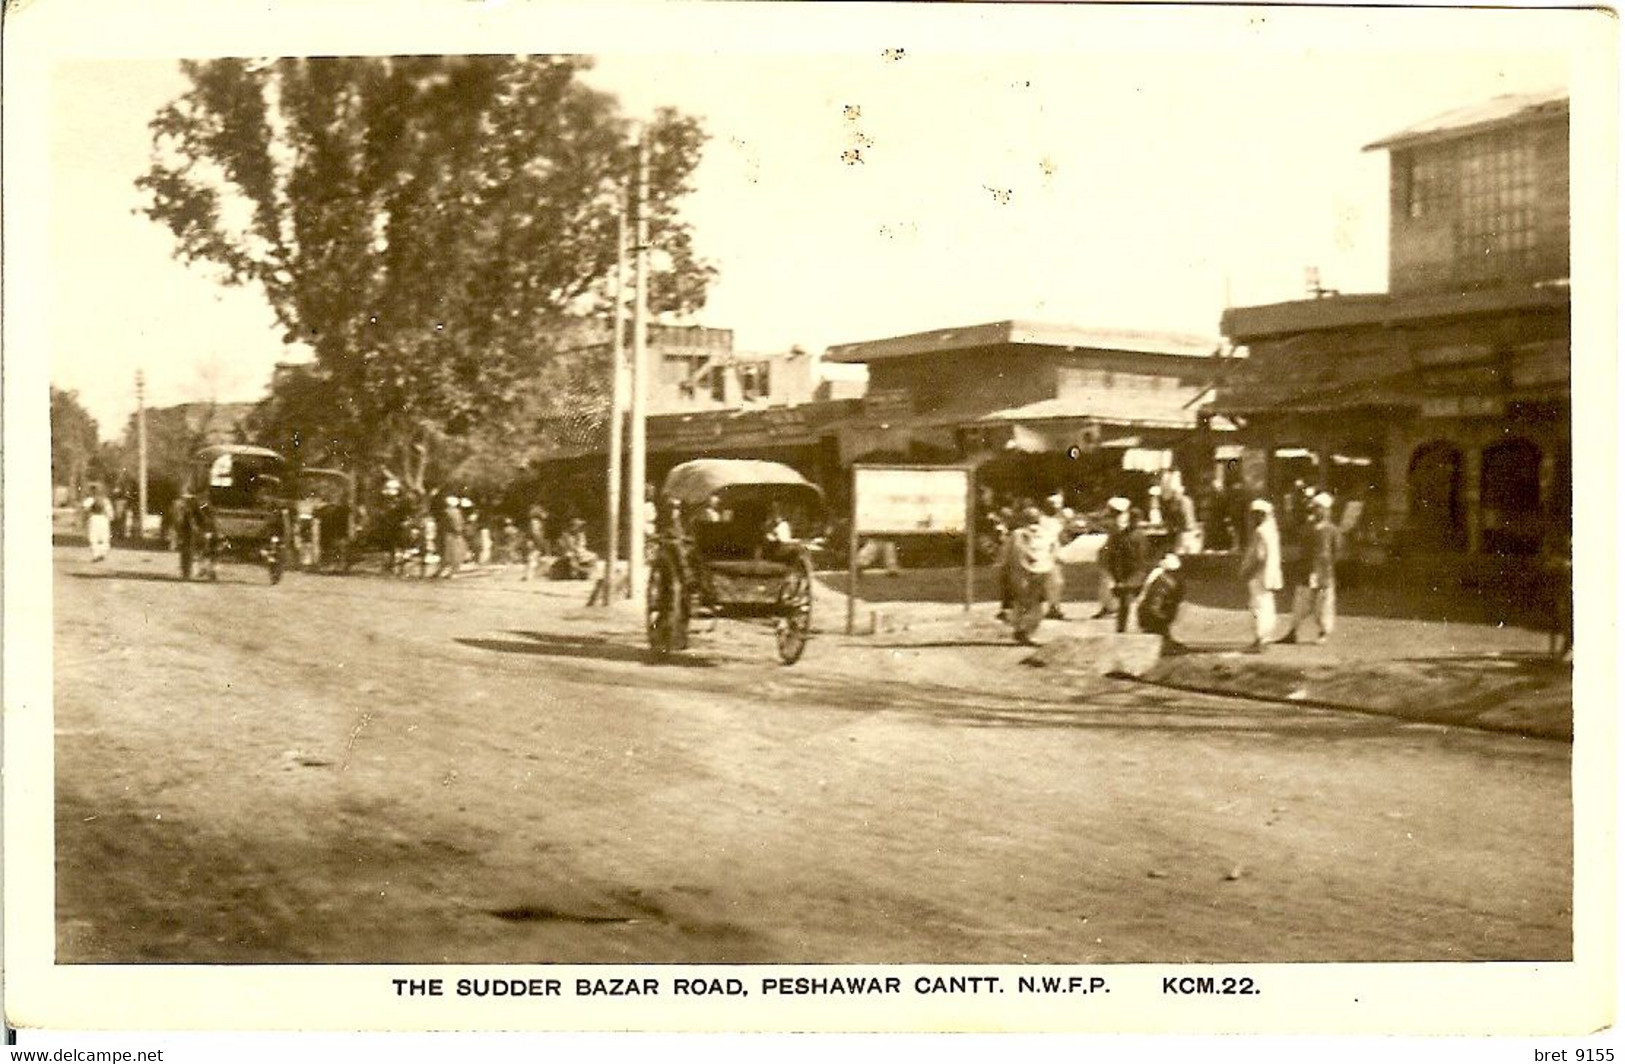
(970, 523)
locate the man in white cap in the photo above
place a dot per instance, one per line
(1318, 594)
(1261, 568)
(1118, 511)
(1053, 517)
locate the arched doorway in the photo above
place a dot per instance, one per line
(1509, 498)
(1437, 520)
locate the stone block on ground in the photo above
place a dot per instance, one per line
(1104, 654)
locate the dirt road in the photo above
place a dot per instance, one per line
(358, 769)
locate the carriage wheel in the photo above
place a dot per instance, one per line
(795, 612)
(667, 615)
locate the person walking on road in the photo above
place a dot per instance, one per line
(453, 546)
(1128, 557)
(1029, 559)
(1316, 591)
(1116, 508)
(1052, 525)
(99, 523)
(1261, 568)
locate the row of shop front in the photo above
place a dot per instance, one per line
(1087, 458)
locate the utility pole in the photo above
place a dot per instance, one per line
(617, 404)
(140, 455)
(637, 466)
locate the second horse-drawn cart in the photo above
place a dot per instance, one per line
(735, 540)
(235, 505)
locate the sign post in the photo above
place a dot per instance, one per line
(911, 501)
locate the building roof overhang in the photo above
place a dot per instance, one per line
(1245, 324)
(1499, 112)
(1024, 333)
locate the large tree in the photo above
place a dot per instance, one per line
(73, 441)
(435, 229)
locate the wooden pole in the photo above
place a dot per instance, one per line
(617, 409)
(852, 556)
(140, 455)
(638, 464)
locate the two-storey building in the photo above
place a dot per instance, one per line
(1442, 405)
(1036, 405)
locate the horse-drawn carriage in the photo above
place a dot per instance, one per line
(735, 541)
(235, 506)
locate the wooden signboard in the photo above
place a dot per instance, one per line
(911, 500)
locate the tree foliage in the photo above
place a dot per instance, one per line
(73, 440)
(435, 229)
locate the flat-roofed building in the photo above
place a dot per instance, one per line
(1037, 405)
(1441, 405)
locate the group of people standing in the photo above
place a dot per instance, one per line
(1135, 583)
(453, 534)
(1131, 581)
(1311, 564)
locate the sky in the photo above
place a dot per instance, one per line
(855, 194)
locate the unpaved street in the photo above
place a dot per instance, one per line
(364, 770)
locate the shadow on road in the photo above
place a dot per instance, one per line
(596, 648)
(117, 574)
(1523, 661)
(937, 644)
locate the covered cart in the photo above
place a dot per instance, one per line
(735, 540)
(235, 506)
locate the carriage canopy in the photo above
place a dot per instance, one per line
(239, 475)
(692, 483)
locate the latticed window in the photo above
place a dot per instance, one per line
(1496, 230)
(1428, 188)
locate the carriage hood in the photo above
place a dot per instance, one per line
(693, 482)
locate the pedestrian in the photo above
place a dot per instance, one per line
(575, 561)
(1128, 557)
(1160, 602)
(1153, 506)
(1106, 597)
(1317, 592)
(99, 522)
(1179, 514)
(487, 542)
(1030, 558)
(1261, 569)
(507, 543)
(1005, 523)
(535, 541)
(1052, 524)
(453, 546)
